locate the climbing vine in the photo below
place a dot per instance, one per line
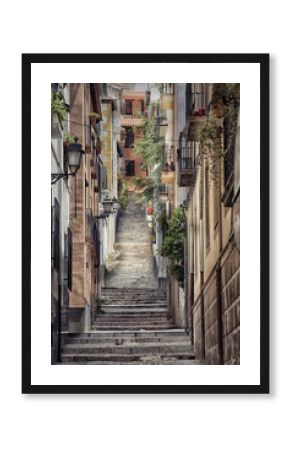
(58, 105)
(173, 245)
(225, 102)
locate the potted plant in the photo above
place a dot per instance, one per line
(98, 146)
(94, 118)
(69, 139)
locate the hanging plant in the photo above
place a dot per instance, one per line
(58, 105)
(209, 135)
(94, 118)
(225, 103)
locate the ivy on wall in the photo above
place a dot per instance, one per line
(225, 105)
(58, 105)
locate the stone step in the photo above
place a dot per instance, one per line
(131, 296)
(165, 361)
(131, 349)
(114, 320)
(129, 309)
(172, 332)
(127, 340)
(108, 326)
(131, 300)
(134, 305)
(147, 290)
(124, 358)
(132, 312)
(131, 318)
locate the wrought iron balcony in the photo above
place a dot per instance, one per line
(162, 189)
(185, 166)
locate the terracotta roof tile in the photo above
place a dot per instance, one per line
(131, 121)
(133, 94)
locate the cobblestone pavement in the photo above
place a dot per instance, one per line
(133, 266)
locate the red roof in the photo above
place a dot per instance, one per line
(131, 121)
(133, 94)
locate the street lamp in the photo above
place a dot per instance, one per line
(74, 155)
(116, 204)
(110, 205)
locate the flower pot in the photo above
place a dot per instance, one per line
(93, 120)
(218, 109)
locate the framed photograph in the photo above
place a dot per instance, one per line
(145, 232)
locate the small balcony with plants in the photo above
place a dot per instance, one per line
(185, 165)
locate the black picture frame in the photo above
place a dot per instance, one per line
(263, 61)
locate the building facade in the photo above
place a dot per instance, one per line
(132, 123)
(213, 260)
(75, 204)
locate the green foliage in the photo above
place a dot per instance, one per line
(173, 245)
(211, 144)
(225, 101)
(227, 93)
(58, 105)
(139, 182)
(148, 191)
(149, 146)
(161, 217)
(70, 138)
(122, 192)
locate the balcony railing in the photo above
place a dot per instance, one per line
(185, 165)
(162, 189)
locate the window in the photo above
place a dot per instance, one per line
(129, 140)
(142, 108)
(130, 168)
(128, 107)
(104, 178)
(55, 239)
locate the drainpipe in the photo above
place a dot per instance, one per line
(219, 313)
(219, 290)
(186, 306)
(202, 325)
(59, 323)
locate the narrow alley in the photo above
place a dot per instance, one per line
(145, 223)
(134, 266)
(134, 326)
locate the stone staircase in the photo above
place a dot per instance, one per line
(133, 328)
